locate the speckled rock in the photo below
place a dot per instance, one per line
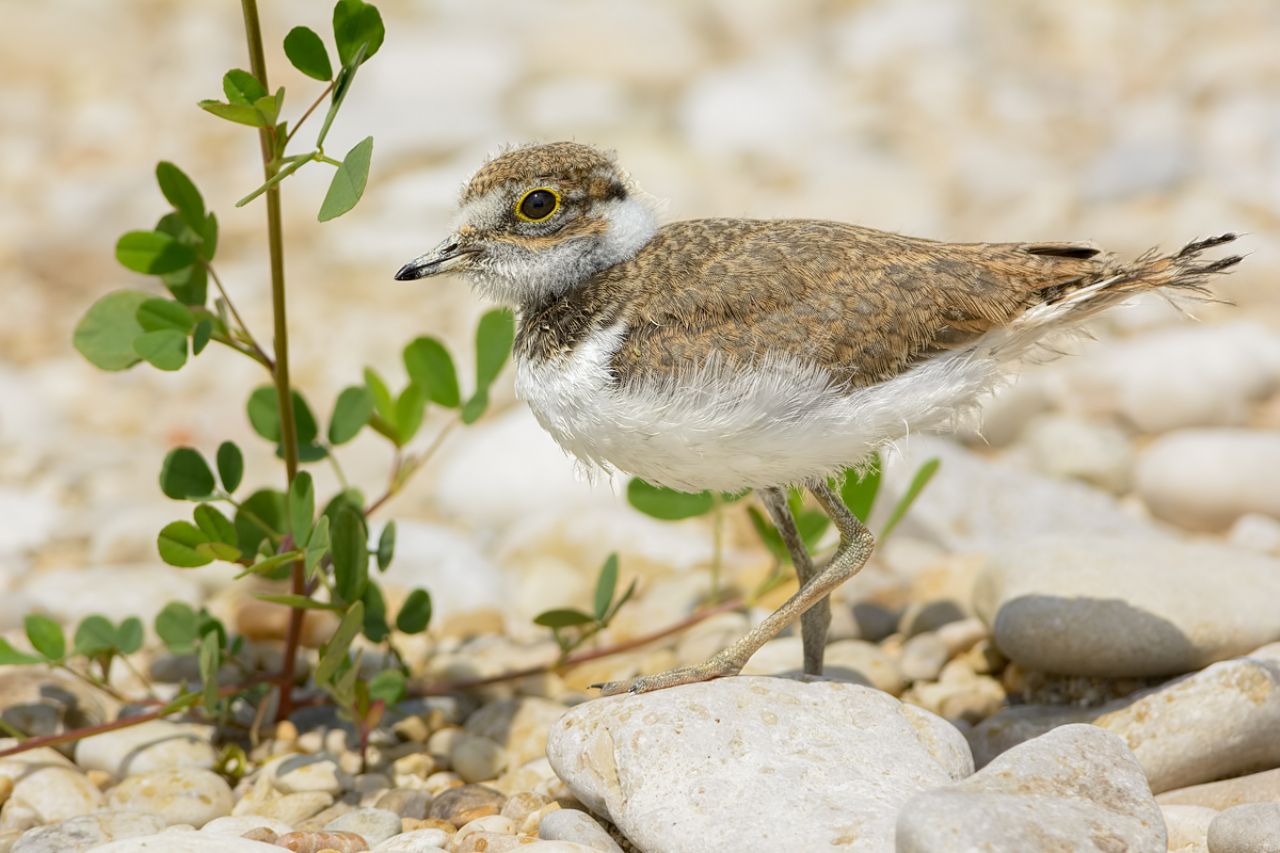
(286, 808)
(293, 774)
(1126, 608)
(1175, 729)
(579, 827)
(415, 841)
(1251, 828)
(188, 795)
(46, 789)
(179, 841)
(518, 725)
(374, 825)
(1076, 788)
(84, 832)
(1188, 828)
(465, 803)
(238, 825)
(154, 745)
(838, 759)
(1254, 788)
(852, 661)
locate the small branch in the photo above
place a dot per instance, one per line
(93, 682)
(258, 353)
(306, 115)
(402, 471)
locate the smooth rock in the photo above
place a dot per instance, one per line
(149, 746)
(406, 802)
(297, 773)
(1093, 452)
(1188, 828)
(579, 827)
(720, 760)
(321, 841)
(1175, 729)
(43, 702)
(1251, 828)
(1208, 479)
(465, 803)
(375, 825)
(1127, 608)
(240, 824)
(1076, 788)
(852, 661)
(460, 575)
(286, 808)
(188, 795)
(116, 592)
(477, 759)
(1255, 788)
(46, 789)
(82, 833)
(923, 657)
(175, 841)
(415, 841)
(974, 504)
(519, 725)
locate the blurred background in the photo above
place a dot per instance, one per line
(1134, 124)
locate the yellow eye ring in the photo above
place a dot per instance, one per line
(537, 204)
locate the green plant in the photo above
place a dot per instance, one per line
(858, 489)
(321, 547)
(571, 627)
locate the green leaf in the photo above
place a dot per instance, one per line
(302, 508)
(348, 182)
(208, 238)
(562, 618)
(350, 554)
(264, 415)
(386, 545)
(918, 482)
(811, 524)
(430, 367)
(275, 561)
(241, 87)
(410, 409)
(164, 314)
(268, 106)
(153, 252)
(230, 465)
(263, 507)
(622, 599)
(317, 545)
(769, 535)
(307, 53)
(95, 635)
(45, 636)
(859, 492)
(474, 407)
(415, 613)
(215, 525)
(178, 625)
(105, 334)
(129, 635)
(10, 656)
(383, 403)
(210, 663)
(494, 336)
(185, 475)
(180, 192)
(165, 349)
(667, 504)
(299, 601)
(238, 113)
(189, 285)
(389, 686)
(334, 652)
(356, 25)
(351, 412)
(606, 584)
(181, 702)
(201, 335)
(177, 543)
(375, 614)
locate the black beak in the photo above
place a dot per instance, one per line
(440, 259)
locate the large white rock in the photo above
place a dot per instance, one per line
(974, 504)
(1183, 377)
(1085, 605)
(116, 592)
(1206, 479)
(1092, 451)
(1076, 788)
(1213, 724)
(1250, 828)
(86, 831)
(186, 841)
(154, 745)
(46, 789)
(754, 764)
(188, 795)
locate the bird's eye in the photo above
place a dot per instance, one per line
(537, 204)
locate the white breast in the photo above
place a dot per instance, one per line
(716, 429)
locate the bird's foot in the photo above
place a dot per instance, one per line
(716, 667)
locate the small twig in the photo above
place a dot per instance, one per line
(258, 352)
(402, 470)
(93, 682)
(306, 115)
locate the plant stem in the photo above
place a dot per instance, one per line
(258, 352)
(284, 396)
(402, 470)
(310, 110)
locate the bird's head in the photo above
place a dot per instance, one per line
(538, 220)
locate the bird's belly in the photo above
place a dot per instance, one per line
(774, 424)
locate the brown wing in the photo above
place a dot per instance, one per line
(863, 304)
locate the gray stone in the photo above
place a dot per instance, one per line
(188, 795)
(154, 745)
(1076, 788)
(465, 803)
(1175, 729)
(1251, 828)
(84, 832)
(375, 825)
(721, 760)
(477, 759)
(406, 802)
(1207, 479)
(1127, 608)
(579, 827)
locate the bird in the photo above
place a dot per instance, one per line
(759, 354)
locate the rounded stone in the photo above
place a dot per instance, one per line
(46, 789)
(295, 774)
(86, 831)
(465, 803)
(153, 745)
(579, 827)
(1208, 479)
(375, 825)
(477, 759)
(189, 795)
(1251, 828)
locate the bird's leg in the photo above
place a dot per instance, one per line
(856, 544)
(817, 619)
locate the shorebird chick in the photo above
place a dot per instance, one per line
(730, 354)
